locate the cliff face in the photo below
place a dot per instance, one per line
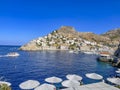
(67, 38)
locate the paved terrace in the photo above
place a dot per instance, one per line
(94, 86)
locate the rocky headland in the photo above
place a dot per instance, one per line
(117, 54)
(67, 38)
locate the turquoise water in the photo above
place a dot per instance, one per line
(42, 64)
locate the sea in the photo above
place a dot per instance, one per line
(38, 65)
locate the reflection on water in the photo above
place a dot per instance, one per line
(42, 64)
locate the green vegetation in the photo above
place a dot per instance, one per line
(38, 44)
(117, 86)
(4, 87)
(72, 47)
(114, 37)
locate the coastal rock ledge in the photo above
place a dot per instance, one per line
(67, 38)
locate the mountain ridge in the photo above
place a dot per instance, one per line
(67, 38)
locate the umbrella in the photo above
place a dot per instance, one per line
(114, 80)
(29, 84)
(7, 83)
(118, 71)
(45, 87)
(94, 76)
(70, 83)
(74, 77)
(53, 80)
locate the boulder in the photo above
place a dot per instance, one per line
(117, 54)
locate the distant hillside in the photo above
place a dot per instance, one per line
(67, 38)
(113, 35)
(89, 36)
(95, 38)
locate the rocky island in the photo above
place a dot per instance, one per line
(67, 38)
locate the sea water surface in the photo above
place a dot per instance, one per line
(39, 65)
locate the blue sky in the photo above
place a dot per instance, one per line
(24, 20)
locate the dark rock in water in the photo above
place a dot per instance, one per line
(117, 52)
(118, 63)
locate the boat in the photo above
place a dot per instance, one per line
(88, 52)
(105, 57)
(12, 54)
(71, 51)
(76, 52)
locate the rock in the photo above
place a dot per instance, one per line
(117, 52)
(118, 63)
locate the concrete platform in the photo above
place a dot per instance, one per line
(94, 86)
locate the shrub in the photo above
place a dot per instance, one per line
(4, 87)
